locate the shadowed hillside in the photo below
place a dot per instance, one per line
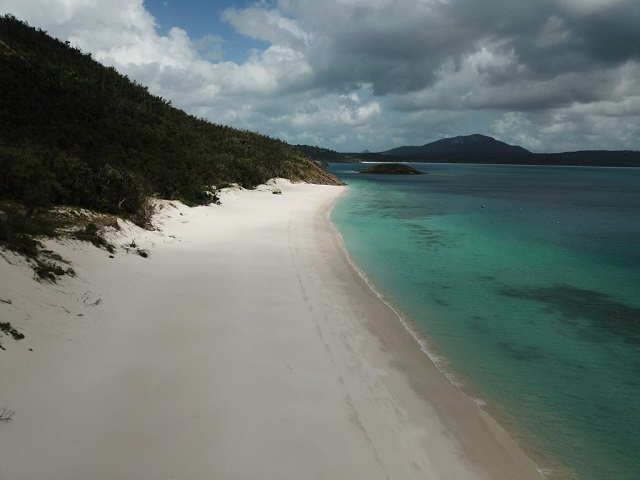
(78, 133)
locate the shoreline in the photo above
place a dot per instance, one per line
(436, 373)
(247, 346)
(492, 413)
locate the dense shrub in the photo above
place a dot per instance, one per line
(76, 132)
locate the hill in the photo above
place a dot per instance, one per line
(476, 144)
(481, 149)
(323, 155)
(75, 132)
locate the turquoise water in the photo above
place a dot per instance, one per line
(527, 281)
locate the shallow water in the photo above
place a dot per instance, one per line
(527, 281)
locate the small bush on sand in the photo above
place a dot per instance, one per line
(6, 415)
(91, 233)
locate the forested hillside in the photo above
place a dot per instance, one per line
(75, 132)
(325, 155)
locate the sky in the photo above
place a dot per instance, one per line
(355, 75)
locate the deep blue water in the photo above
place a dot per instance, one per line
(526, 280)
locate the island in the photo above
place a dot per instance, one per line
(392, 169)
(477, 149)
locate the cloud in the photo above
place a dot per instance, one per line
(373, 74)
(210, 48)
(267, 25)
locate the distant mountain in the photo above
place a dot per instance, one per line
(481, 149)
(469, 144)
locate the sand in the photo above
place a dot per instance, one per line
(245, 346)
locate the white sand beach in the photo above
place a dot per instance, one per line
(245, 347)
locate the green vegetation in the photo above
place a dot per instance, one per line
(17, 229)
(392, 169)
(6, 327)
(323, 156)
(50, 271)
(6, 415)
(18, 232)
(77, 133)
(91, 233)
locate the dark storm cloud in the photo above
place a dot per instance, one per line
(396, 48)
(401, 47)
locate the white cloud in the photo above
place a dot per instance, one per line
(210, 48)
(267, 25)
(514, 127)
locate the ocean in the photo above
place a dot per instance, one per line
(526, 283)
